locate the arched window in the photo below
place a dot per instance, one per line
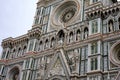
(61, 36)
(78, 35)
(24, 50)
(85, 33)
(71, 37)
(110, 26)
(40, 46)
(13, 54)
(94, 26)
(8, 55)
(119, 23)
(19, 52)
(37, 20)
(46, 44)
(52, 42)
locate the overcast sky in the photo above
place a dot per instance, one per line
(16, 17)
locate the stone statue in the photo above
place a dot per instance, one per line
(16, 77)
(110, 27)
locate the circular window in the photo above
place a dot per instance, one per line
(115, 54)
(68, 14)
(65, 13)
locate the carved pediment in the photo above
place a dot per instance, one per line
(57, 69)
(58, 66)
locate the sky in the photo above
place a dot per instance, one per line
(16, 17)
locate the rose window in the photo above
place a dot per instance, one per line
(67, 15)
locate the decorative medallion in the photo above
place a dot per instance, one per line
(67, 12)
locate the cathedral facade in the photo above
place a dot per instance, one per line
(69, 40)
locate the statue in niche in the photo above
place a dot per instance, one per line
(119, 24)
(74, 60)
(16, 77)
(71, 37)
(86, 34)
(78, 35)
(42, 66)
(110, 26)
(61, 36)
(52, 42)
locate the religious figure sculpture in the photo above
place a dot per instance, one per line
(111, 27)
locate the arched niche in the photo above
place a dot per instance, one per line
(61, 36)
(14, 74)
(115, 54)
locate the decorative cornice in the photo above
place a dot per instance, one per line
(34, 33)
(98, 10)
(9, 42)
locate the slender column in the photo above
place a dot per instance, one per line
(35, 40)
(24, 64)
(82, 10)
(90, 27)
(30, 63)
(89, 49)
(21, 75)
(27, 77)
(99, 47)
(1, 70)
(91, 1)
(99, 25)
(89, 63)
(99, 59)
(28, 46)
(6, 53)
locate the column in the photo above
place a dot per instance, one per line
(82, 10)
(1, 70)
(99, 47)
(89, 49)
(28, 46)
(30, 63)
(6, 53)
(90, 27)
(89, 64)
(99, 61)
(99, 25)
(21, 75)
(35, 40)
(91, 1)
(24, 64)
(27, 77)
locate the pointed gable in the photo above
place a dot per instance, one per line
(58, 66)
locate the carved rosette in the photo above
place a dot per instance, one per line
(66, 13)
